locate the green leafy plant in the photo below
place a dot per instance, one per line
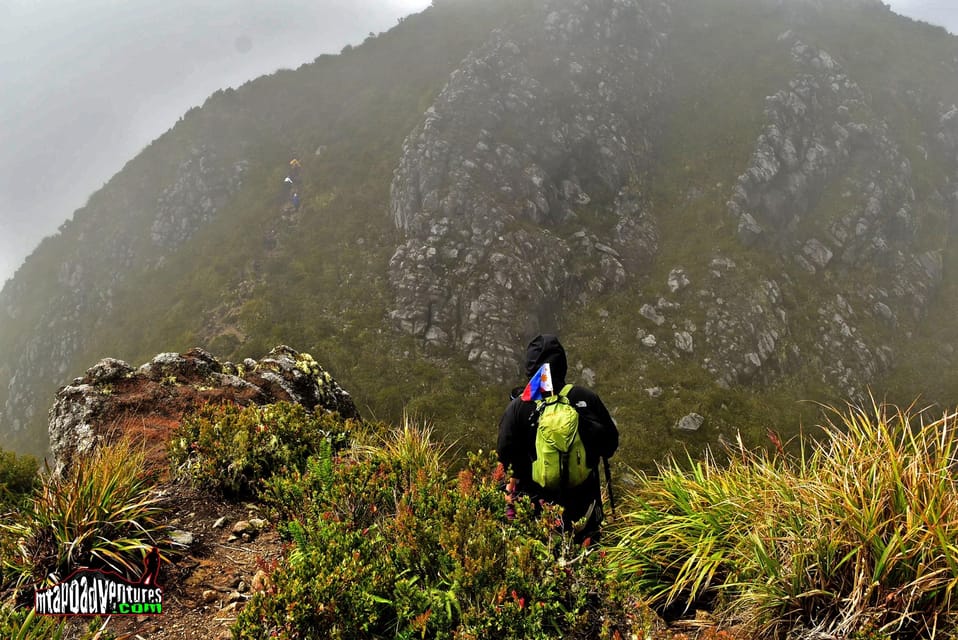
(102, 513)
(236, 449)
(853, 535)
(387, 542)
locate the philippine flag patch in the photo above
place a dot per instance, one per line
(541, 381)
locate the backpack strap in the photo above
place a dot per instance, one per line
(562, 396)
(564, 393)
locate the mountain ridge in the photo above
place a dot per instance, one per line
(683, 280)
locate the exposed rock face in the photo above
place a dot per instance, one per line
(524, 140)
(819, 130)
(201, 187)
(545, 122)
(113, 397)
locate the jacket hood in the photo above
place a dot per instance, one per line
(547, 348)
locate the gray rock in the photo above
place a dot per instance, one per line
(457, 165)
(817, 253)
(181, 538)
(690, 422)
(108, 370)
(677, 280)
(749, 231)
(683, 341)
(84, 415)
(587, 376)
(649, 312)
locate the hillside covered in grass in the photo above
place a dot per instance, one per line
(724, 208)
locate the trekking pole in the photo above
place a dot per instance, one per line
(608, 483)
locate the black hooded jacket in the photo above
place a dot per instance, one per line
(517, 428)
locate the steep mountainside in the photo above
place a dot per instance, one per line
(723, 206)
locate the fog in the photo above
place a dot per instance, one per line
(943, 13)
(86, 84)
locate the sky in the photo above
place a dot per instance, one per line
(940, 12)
(86, 84)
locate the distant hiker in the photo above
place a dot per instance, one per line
(561, 469)
(294, 200)
(288, 181)
(294, 169)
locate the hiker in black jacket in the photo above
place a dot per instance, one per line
(517, 437)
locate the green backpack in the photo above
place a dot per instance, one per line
(560, 455)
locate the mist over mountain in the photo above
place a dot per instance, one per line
(85, 86)
(725, 208)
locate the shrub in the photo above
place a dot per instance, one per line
(234, 449)
(18, 477)
(854, 536)
(102, 513)
(385, 544)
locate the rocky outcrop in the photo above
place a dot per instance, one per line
(946, 139)
(113, 398)
(521, 145)
(202, 185)
(810, 133)
(823, 143)
(541, 126)
(746, 333)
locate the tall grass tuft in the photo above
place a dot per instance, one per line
(102, 513)
(25, 624)
(854, 535)
(412, 444)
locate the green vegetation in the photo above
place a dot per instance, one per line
(18, 477)
(390, 535)
(25, 624)
(102, 513)
(234, 450)
(853, 535)
(387, 543)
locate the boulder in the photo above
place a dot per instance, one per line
(113, 398)
(690, 422)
